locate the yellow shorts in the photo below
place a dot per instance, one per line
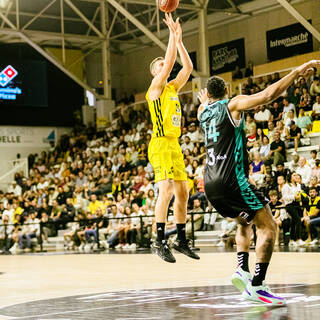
(166, 157)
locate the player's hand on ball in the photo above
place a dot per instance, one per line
(203, 95)
(170, 23)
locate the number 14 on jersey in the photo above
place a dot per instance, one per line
(212, 132)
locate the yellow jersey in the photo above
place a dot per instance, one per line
(166, 113)
(313, 205)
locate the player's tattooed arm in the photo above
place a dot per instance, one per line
(203, 98)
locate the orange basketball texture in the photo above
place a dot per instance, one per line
(168, 5)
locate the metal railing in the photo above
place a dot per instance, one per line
(141, 243)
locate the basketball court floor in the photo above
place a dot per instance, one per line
(141, 286)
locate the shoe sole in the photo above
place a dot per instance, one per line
(178, 249)
(278, 304)
(239, 284)
(155, 251)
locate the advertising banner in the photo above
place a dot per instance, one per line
(288, 41)
(226, 56)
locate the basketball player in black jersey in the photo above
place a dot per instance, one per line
(226, 177)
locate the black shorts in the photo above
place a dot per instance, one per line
(230, 201)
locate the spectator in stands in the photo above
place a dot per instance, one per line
(5, 233)
(81, 179)
(296, 97)
(276, 112)
(187, 144)
(280, 215)
(262, 116)
(315, 87)
(281, 180)
(197, 218)
(15, 188)
(228, 226)
(312, 161)
(277, 150)
(257, 170)
(209, 218)
(305, 100)
(194, 133)
(316, 108)
(287, 106)
(289, 118)
(291, 197)
(251, 138)
(304, 122)
(304, 170)
(249, 69)
(271, 131)
(294, 136)
(237, 74)
(265, 148)
(250, 123)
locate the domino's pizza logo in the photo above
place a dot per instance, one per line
(7, 75)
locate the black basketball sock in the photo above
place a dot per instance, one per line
(243, 258)
(259, 273)
(181, 229)
(160, 231)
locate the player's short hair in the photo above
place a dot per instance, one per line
(154, 62)
(216, 87)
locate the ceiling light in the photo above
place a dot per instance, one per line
(4, 3)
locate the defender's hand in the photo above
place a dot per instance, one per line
(307, 68)
(203, 95)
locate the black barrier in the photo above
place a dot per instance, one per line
(141, 221)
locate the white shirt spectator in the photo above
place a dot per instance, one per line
(185, 146)
(199, 172)
(264, 150)
(288, 121)
(140, 126)
(15, 188)
(305, 173)
(316, 107)
(194, 136)
(9, 213)
(262, 115)
(290, 106)
(289, 191)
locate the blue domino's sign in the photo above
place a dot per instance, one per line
(6, 76)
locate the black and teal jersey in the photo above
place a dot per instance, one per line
(227, 167)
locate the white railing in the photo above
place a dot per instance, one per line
(17, 165)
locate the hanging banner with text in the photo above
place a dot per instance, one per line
(226, 56)
(288, 41)
(16, 137)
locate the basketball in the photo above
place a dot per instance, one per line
(168, 5)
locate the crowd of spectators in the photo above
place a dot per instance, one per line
(92, 176)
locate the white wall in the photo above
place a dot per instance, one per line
(24, 140)
(130, 71)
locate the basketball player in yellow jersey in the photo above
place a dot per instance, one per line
(164, 150)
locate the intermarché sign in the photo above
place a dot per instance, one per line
(288, 41)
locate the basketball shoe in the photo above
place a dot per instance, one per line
(240, 279)
(184, 246)
(262, 294)
(162, 249)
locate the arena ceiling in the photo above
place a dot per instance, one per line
(78, 22)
